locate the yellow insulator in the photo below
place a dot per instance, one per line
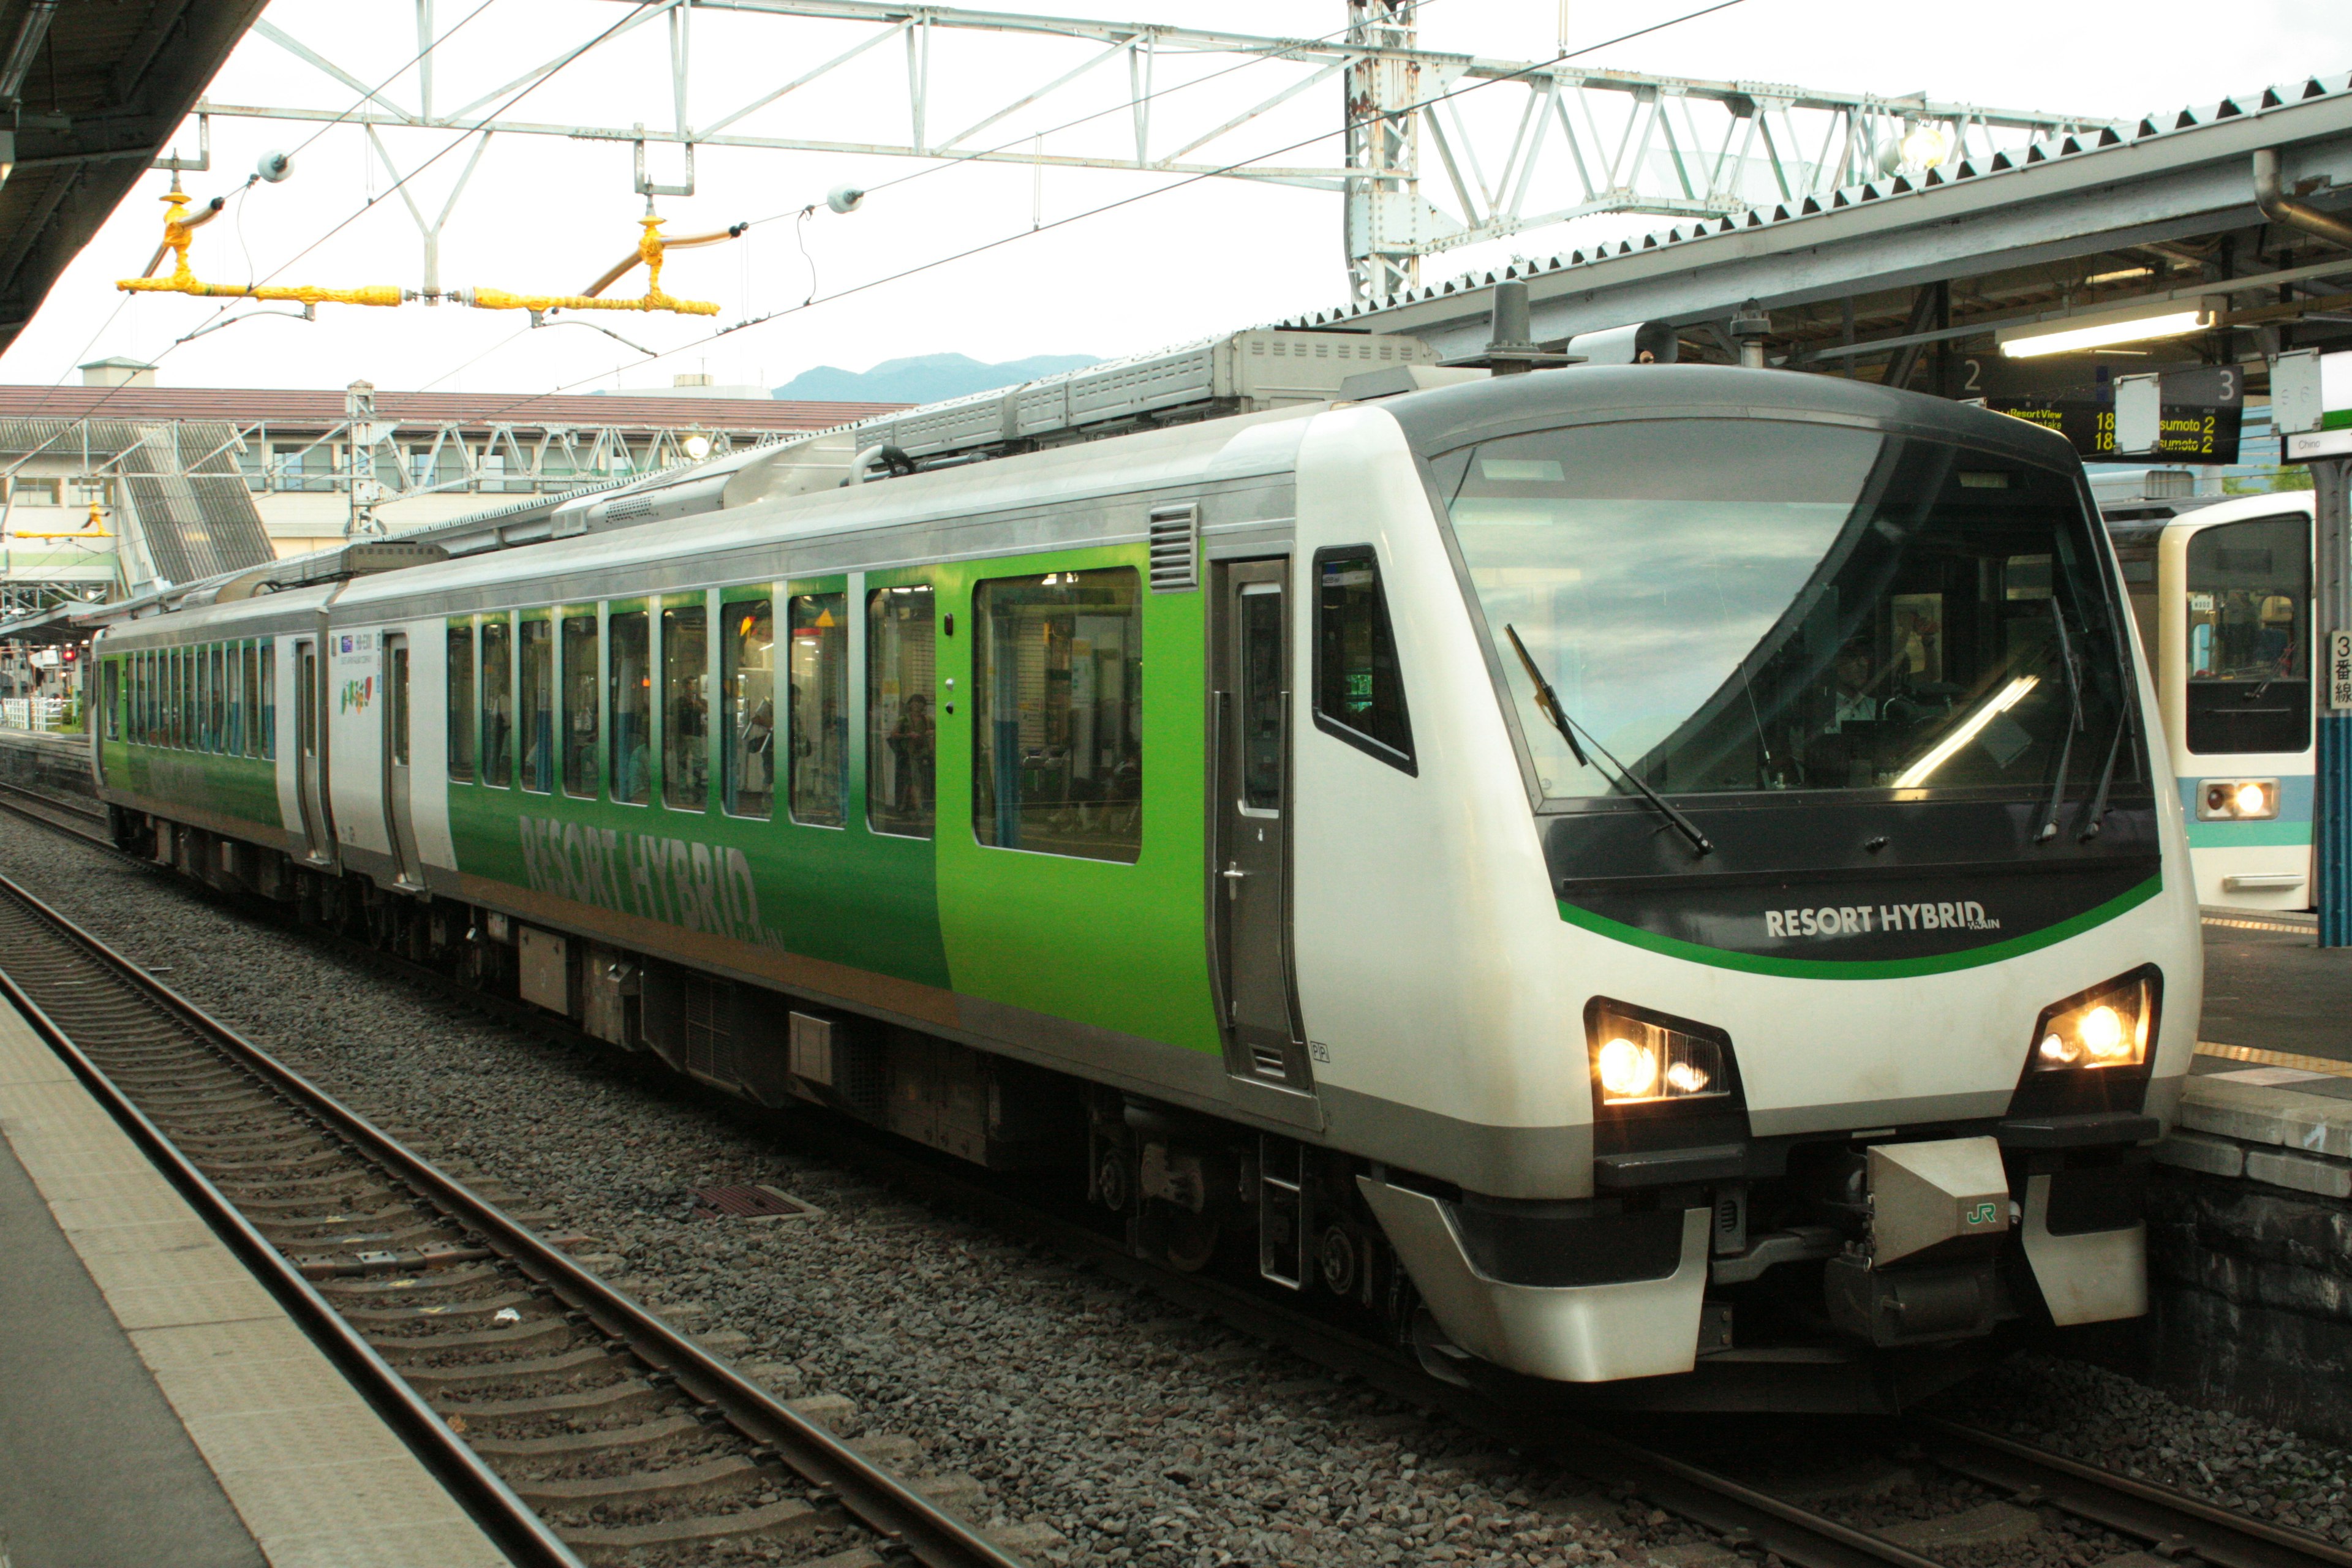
(178, 229)
(651, 247)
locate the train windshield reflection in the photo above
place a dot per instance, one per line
(1735, 606)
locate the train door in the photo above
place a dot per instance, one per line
(1250, 669)
(307, 754)
(400, 821)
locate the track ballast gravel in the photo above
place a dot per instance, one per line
(1136, 1433)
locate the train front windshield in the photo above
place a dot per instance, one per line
(1732, 605)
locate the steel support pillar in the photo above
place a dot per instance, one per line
(2331, 826)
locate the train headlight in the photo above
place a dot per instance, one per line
(2109, 1026)
(2237, 800)
(1638, 1060)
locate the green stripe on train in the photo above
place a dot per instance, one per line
(1862, 969)
(1114, 945)
(2243, 834)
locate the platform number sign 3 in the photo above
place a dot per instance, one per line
(2339, 670)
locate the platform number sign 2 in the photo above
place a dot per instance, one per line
(2339, 670)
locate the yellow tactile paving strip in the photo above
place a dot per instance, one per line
(2235, 923)
(318, 1480)
(2256, 1056)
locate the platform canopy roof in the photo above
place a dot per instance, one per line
(94, 89)
(1897, 280)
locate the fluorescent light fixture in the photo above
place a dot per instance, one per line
(2097, 329)
(2006, 698)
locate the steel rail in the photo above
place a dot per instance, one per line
(510, 1523)
(2174, 1524)
(902, 1517)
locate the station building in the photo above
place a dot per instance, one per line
(188, 481)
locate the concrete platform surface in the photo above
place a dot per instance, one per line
(2269, 985)
(157, 1407)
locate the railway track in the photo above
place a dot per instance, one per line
(1747, 1518)
(84, 818)
(590, 1428)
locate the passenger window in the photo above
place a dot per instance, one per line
(1058, 714)
(184, 716)
(901, 746)
(1264, 683)
(307, 704)
(819, 673)
(216, 664)
(461, 704)
(2250, 636)
(632, 708)
(749, 677)
(497, 703)
(686, 709)
(399, 694)
(580, 676)
(235, 670)
(113, 694)
(1358, 691)
(268, 698)
(538, 707)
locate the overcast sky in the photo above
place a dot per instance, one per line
(547, 215)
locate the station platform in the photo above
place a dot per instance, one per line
(2270, 986)
(156, 1404)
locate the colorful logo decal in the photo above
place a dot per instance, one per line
(357, 693)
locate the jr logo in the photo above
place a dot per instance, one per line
(1982, 1213)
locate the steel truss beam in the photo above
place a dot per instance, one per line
(1548, 144)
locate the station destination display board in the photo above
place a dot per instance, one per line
(2311, 396)
(2202, 405)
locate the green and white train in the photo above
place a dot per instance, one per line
(1643, 872)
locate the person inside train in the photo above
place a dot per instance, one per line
(911, 743)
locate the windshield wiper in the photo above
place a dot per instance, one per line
(2098, 812)
(2049, 823)
(1547, 701)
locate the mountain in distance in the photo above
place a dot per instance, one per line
(924, 378)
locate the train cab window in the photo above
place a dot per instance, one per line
(537, 706)
(1359, 689)
(748, 675)
(1749, 607)
(269, 709)
(2249, 641)
(1058, 714)
(818, 669)
(497, 703)
(580, 682)
(685, 708)
(901, 745)
(631, 725)
(461, 704)
(113, 695)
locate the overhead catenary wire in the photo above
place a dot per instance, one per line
(241, 190)
(525, 92)
(1124, 201)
